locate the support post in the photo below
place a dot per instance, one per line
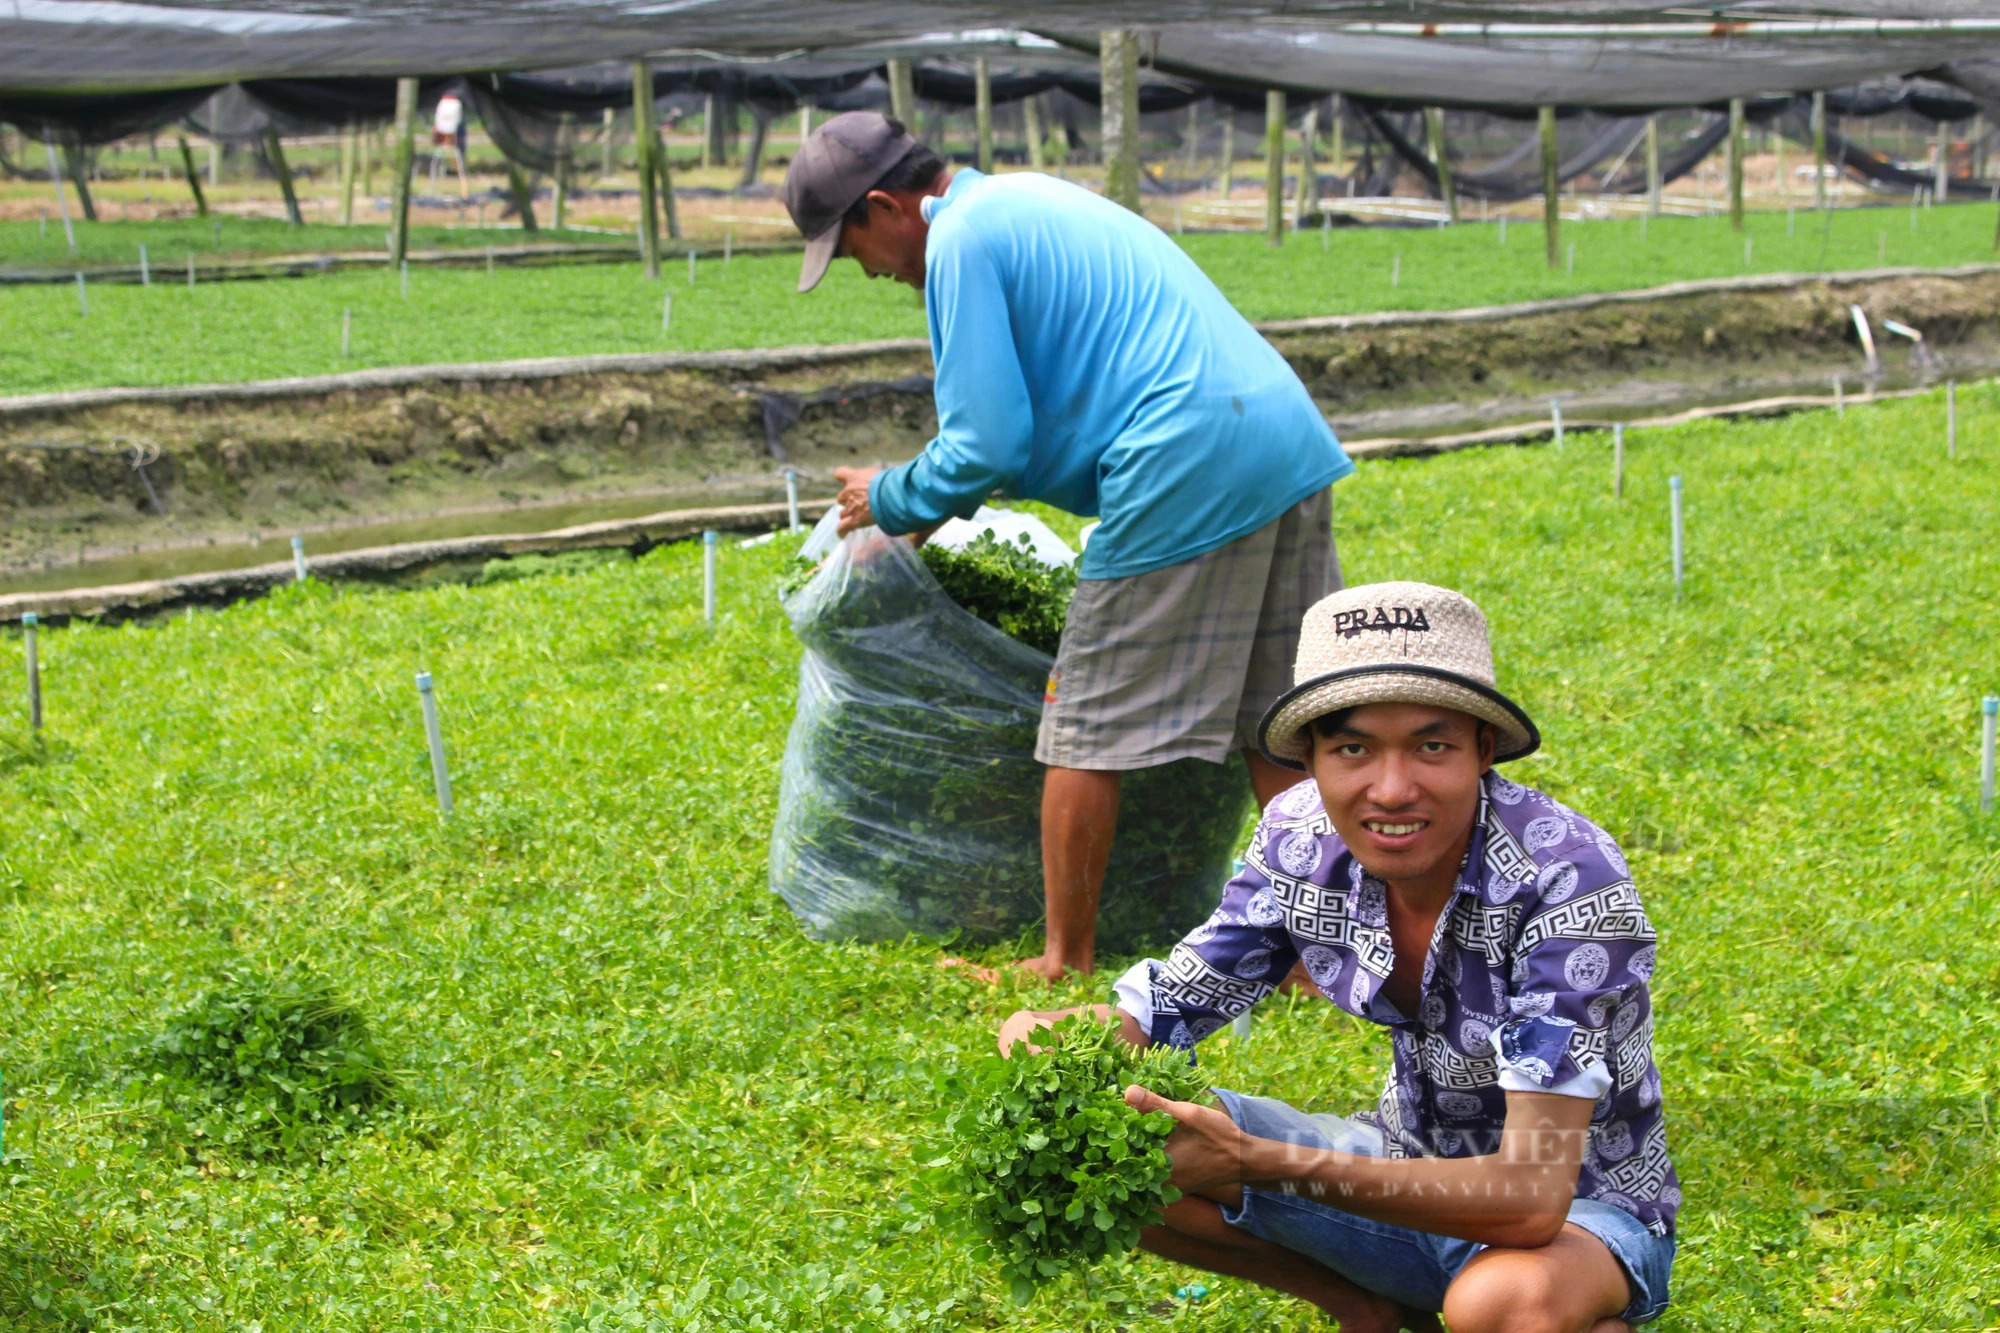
(805, 122)
(347, 137)
(78, 170)
(663, 186)
(565, 133)
(274, 152)
(902, 94)
(1339, 114)
(214, 161)
(62, 200)
(1551, 189)
(610, 132)
(1228, 169)
(1118, 59)
(193, 176)
(1303, 202)
(1736, 163)
(367, 138)
(1653, 182)
(406, 161)
(1441, 158)
(434, 737)
(642, 140)
(1819, 149)
(982, 110)
(30, 622)
(1274, 167)
(1942, 152)
(523, 191)
(1031, 117)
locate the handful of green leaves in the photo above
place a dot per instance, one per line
(1052, 1167)
(1007, 587)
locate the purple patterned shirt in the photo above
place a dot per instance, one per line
(1536, 980)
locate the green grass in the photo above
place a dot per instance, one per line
(30, 245)
(168, 334)
(628, 1090)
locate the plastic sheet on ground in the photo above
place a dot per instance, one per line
(910, 801)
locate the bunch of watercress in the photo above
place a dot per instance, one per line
(1050, 1166)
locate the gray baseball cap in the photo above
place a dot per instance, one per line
(832, 170)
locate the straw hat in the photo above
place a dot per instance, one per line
(1405, 643)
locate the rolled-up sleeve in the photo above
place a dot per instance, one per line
(985, 416)
(1580, 978)
(1223, 966)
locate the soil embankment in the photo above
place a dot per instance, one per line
(88, 474)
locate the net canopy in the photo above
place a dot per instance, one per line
(1485, 53)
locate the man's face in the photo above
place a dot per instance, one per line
(892, 244)
(1401, 784)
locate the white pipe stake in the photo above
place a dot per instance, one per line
(440, 779)
(1988, 708)
(62, 201)
(145, 268)
(406, 279)
(1867, 336)
(1951, 419)
(346, 331)
(792, 499)
(1556, 415)
(1674, 484)
(298, 560)
(29, 622)
(667, 313)
(708, 577)
(82, 296)
(1618, 460)
(691, 256)
(1570, 266)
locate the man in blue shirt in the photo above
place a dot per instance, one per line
(1083, 360)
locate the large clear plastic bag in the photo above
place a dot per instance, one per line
(911, 799)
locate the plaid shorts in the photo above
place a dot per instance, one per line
(1181, 662)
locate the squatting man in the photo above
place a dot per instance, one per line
(1514, 1174)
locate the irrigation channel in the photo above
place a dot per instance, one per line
(122, 486)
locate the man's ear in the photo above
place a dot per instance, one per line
(882, 204)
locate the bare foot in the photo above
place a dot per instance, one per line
(970, 969)
(1051, 970)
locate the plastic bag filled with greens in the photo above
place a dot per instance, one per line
(911, 800)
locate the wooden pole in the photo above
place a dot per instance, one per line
(564, 134)
(643, 140)
(663, 185)
(1653, 182)
(1819, 149)
(902, 94)
(1031, 115)
(1736, 163)
(1441, 158)
(73, 158)
(347, 176)
(1942, 152)
(1551, 189)
(610, 132)
(1303, 200)
(1274, 167)
(1228, 172)
(214, 161)
(367, 138)
(523, 191)
(274, 153)
(982, 96)
(193, 176)
(1118, 61)
(1339, 136)
(406, 161)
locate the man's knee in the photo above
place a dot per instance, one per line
(1505, 1298)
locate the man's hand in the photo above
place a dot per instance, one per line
(1206, 1147)
(853, 501)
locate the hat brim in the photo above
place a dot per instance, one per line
(1281, 735)
(820, 250)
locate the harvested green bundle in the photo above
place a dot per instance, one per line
(911, 800)
(270, 1056)
(1050, 1165)
(1005, 585)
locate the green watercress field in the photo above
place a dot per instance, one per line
(629, 1093)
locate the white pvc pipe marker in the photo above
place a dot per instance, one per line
(1618, 460)
(1989, 709)
(792, 499)
(1556, 415)
(1674, 486)
(708, 577)
(435, 735)
(298, 559)
(30, 621)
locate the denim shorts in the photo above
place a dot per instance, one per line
(1409, 1266)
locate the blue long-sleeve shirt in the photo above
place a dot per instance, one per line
(1084, 360)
